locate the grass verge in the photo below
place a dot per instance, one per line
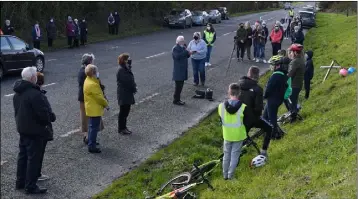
(316, 159)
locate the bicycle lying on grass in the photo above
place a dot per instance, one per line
(286, 117)
(181, 185)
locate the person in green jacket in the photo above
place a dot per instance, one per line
(241, 36)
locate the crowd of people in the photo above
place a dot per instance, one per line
(76, 31)
(244, 110)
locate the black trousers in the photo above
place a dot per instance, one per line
(111, 29)
(275, 48)
(116, 27)
(270, 113)
(29, 161)
(240, 51)
(307, 87)
(69, 41)
(122, 116)
(83, 39)
(266, 127)
(178, 88)
(76, 42)
(49, 42)
(37, 44)
(42, 155)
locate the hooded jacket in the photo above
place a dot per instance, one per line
(232, 106)
(296, 72)
(252, 95)
(126, 86)
(32, 111)
(309, 72)
(276, 86)
(276, 36)
(298, 37)
(241, 34)
(51, 30)
(8, 29)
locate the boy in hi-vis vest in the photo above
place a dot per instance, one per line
(234, 116)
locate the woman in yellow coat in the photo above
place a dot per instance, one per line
(95, 103)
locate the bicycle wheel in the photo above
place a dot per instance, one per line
(176, 182)
(206, 169)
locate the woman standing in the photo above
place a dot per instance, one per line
(95, 103)
(126, 88)
(70, 31)
(248, 42)
(76, 40)
(83, 32)
(209, 37)
(36, 35)
(197, 48)
(51, 32)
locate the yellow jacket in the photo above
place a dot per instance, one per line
(94, 98)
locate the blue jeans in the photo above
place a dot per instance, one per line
(294, 100)
(261, 51)
(231, 157)
(93, 128)
(198, 67)
(256, 50)
(208, 53)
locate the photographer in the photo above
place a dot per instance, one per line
(240, 39)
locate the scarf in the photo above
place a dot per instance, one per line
(37, 30)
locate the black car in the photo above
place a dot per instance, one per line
(180, 18)
(308, 19)
(224, 13)
(16, 54)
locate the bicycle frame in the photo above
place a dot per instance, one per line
(179, 192)
(211, 165)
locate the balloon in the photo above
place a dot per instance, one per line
(351, 70)
(343, 72)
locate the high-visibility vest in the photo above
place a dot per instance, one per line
(290, 12)
(233, 124)
(209, 36)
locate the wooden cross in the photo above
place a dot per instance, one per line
(330, 68)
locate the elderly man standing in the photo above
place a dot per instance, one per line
(180, 72)
(33, 121)
(197, 48)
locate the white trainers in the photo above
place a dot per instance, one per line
(206, 63)
(43, 177)
(264, 61)
(209, 64)
(253, 59)
(257, 60)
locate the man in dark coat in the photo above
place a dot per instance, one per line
(308, 73)
(8, 28)
(180, 70)
(241, 37)
(117, 20)
(252, 95)
(33, 119)
(83, 32)
(51, 32)
(298, 36)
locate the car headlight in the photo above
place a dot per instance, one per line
(181, 19)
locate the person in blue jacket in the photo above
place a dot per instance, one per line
(308, 72)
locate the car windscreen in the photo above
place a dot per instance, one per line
(177, 12)
(197, 13)
(306, 15)
(212, 12)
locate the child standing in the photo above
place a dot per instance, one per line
(308, 72)
(234, 117)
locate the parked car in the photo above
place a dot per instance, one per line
(309, 9)
(16, 54)
(308, 19)
(215, 16)
(287, 6)
(224, 13)
(200, 18)
(180, 18)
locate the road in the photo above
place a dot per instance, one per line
(155, 121)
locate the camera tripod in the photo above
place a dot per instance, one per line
(233, 50)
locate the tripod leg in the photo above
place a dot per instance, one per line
(227, 69)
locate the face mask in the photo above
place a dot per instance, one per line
(51, 20)
(276, 28)
(263, 25)
(97, 74)
(129, 62)
(196, 38)
(208, 28)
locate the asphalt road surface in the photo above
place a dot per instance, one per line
(155, 121)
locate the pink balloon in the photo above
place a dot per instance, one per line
(343, 72)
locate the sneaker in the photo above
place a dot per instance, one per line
(253, 59)
(206, 63)
(257, 60)
(43, 178)
(209, 64)
(264, 153)
(264, 61)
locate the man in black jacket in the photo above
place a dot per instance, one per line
(252, 95)
(33, 120)
(308, 72)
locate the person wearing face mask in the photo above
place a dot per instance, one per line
(36, 35)
(248, 42)
(33, 117)
(298, 36)
(83, 32)
(95, 103)
(76, 41)
(241, 35)
(180, 71)
(276, 36)
(293, 24)
(126, 88)
(51, 32)
(117, 20)
(255, 39)
(209, 38)
(265, 30)
(111, 24)
(70, 31)
(198, 50)
(8, 29)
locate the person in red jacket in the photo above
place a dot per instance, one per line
(276, 39)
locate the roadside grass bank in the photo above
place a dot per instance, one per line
(316, 158)
(97, 36)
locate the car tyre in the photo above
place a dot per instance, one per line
(2, 72)
(40, 65)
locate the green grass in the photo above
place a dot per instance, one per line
(317, 157)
